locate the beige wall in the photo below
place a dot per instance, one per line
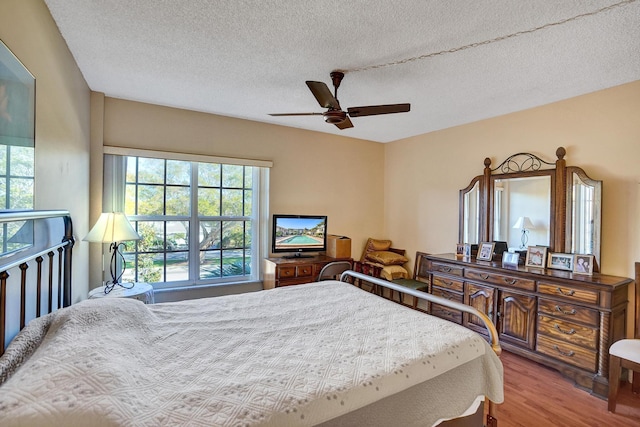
(62, 119)
(601, 132)
(312, 173)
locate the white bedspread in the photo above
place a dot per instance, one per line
(299, 355)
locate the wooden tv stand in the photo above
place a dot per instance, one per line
(294, 271)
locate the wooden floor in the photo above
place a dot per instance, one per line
(539, 396)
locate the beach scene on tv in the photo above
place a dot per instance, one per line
(292, 233)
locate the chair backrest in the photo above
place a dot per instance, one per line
(331, 270)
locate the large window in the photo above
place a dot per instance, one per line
(199, 222)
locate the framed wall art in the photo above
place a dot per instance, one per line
(17, 148)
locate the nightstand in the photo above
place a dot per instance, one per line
(140, 291)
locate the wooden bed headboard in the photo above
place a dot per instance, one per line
(35, 267)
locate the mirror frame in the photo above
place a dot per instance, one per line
(521, 165)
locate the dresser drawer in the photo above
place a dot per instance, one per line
(286, 272)
(451, 296)
(568, 331)
(445, 312)
(447, 268)
(569, 311)
(447, 283)
(500, 279)
(568, 353)
(304, 270)
(568, 293)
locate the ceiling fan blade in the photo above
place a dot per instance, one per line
(323, 95)
(344, 124)
(295, 114)
(372, 110)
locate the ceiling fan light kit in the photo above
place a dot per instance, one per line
(334, 114)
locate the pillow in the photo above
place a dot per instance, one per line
(377, 245)
(386, 258)
(393, 272)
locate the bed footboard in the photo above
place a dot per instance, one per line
(35, 267)
(491, 420)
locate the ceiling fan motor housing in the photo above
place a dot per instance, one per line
(334, 116)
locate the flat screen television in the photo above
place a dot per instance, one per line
(295, 234)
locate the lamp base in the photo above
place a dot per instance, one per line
(115, 278)
(524, 239)
(108, 287)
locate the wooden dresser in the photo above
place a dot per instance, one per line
(294, 271)
(562, 320)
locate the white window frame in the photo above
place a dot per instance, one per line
(113, 200)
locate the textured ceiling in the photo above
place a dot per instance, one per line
(248, 58)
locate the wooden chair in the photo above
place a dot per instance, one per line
(623, 354)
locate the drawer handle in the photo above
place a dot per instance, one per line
(570, 354)
(568, 294)
(447, 283)
(445, 269)
(510, 281)
(572, 312)
(569, 332)
(484, 276)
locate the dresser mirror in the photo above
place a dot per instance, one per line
(529, 201)
(522, 197)
(585, 200)
(470, 213)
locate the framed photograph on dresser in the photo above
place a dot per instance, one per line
(510, 259)
(583, 264)
(485, 251)
(536, 256)
(560, 261)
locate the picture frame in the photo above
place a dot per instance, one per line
(560, 261)
(460, 250)
(467, 250)
(536, 256)
(583, 264)
(485, 251)
(510, 259)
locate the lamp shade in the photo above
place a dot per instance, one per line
(112, 227)
(524, 223)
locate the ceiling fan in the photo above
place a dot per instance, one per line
(334, 114)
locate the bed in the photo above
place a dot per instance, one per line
(325, 353)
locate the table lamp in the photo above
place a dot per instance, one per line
(525, 224)
(113, 228)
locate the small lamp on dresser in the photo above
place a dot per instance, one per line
(113, 228)
(524, 223)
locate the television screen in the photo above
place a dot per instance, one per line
(299, 233)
